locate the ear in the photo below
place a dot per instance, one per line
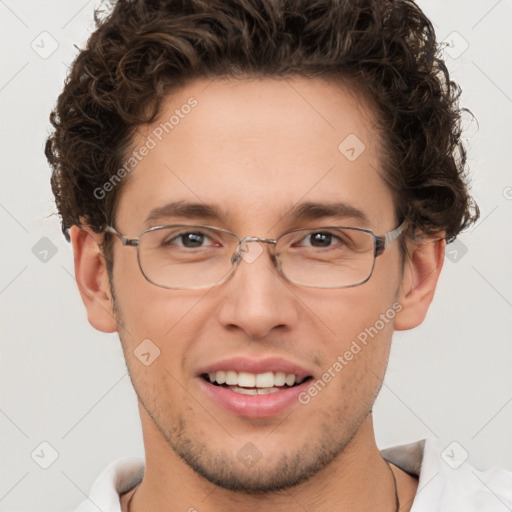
(419, 280)
(92, 278)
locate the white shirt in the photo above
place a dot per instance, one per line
(446, 482)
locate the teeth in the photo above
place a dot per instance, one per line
(279, 378)
(264, 381)
(245, 391)
(231, 378)
(254, 391)
(267, 391)
(290, 380)
(246, 380)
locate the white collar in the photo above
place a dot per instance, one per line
(441, 488)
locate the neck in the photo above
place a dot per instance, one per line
(359, 479)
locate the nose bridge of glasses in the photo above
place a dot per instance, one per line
(242, 246)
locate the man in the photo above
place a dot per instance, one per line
(258, 193)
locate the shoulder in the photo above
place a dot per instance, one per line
(448, 481)
(117, 478)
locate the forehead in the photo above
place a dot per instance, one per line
(255, 150)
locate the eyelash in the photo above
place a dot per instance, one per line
(179, 236)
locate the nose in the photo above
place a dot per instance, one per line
(257, 299)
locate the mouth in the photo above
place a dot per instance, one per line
(246, 383)
(254, 389)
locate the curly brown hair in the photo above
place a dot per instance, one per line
(145, 49)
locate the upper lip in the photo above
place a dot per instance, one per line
(244, 364)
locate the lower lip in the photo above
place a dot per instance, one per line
(254, 406)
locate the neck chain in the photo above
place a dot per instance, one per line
(133, 494)
(397, 499)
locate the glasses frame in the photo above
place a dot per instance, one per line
(380, 243)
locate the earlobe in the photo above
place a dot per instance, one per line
(419, 281)
(92, 278)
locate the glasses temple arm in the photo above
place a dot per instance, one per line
(384, 241)
(134, 242)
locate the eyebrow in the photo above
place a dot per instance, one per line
(184, 209)
(307, 211)
(316, 211)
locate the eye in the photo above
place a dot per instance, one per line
(320, 239)
(188, 240)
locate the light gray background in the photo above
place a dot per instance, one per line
(66, 384)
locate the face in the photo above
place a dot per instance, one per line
(255, 149)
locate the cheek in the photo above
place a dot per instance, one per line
(145, 310)
(357, 327)
(364, 341)
(356, 365)
(342, 315)
(148, 319)
(166, 317)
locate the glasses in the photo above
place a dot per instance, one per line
(189, 257)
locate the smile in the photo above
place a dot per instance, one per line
(251, 388)
(246, 383)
